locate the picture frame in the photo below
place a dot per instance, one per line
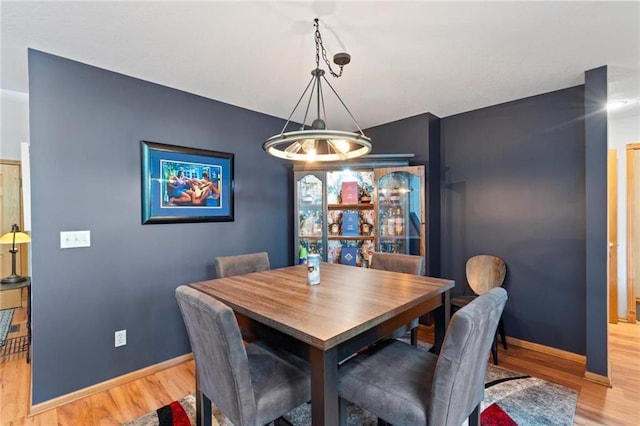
(181, 184)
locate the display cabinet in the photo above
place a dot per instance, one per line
(401, 210)
(345, 213)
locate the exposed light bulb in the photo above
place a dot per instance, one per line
(309, 144)
(311, 155)
(340, 146)
(292, 149)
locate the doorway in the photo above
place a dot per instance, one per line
(10, 213)
(633, 230)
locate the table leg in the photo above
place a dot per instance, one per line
(203, 408)
(442, 321)
(324, 386)
(414, 336)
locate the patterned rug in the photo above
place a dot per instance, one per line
(511, 398)
(6, 316)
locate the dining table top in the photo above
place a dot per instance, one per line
(348, 300)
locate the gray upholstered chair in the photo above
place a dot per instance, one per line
(405, 385)
(251, 385)
(396, 262)
(408, 264)
(227, 266)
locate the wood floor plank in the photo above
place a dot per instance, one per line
(14, 384)
(105, 410)
(75, 413)
(179, 381)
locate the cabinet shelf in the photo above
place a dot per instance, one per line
(390, 205)
(350, 237)
(311, 237)
(365, 206)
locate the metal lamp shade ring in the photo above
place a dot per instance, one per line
(288, 145)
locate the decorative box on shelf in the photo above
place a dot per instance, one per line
(350, 224)
(350, 192)
(349, 256)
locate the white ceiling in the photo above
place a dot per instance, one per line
(407, 57)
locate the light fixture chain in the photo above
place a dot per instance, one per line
(320, 46)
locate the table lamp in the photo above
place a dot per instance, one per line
(14, 237)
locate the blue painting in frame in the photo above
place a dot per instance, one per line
(181, 184)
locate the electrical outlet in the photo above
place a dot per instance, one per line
(120, 338)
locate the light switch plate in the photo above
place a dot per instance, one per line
(74, 239)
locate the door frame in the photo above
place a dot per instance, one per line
(612, 196)
(632, 205)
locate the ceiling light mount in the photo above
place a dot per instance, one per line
(316, 142)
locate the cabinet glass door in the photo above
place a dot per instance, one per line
(309, 193)
(400, 210)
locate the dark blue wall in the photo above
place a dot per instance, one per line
(407, 136)
(86, 125)
(596, 219)
(515, 188)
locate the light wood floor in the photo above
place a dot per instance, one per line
(597, 405)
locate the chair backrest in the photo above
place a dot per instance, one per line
(228, 266)
(222, 366)
(485, 272)
(458, 383)
(407, 263)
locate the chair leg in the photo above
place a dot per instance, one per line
(502, 335)
(474, 417)
(494, 349)
(203, 409)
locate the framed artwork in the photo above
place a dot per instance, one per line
(182, 184)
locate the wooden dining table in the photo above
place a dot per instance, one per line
(351, 308)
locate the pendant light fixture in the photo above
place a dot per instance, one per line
(316, 142)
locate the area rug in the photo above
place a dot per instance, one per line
(6, 316)
(511, 398)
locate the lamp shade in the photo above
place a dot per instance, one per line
(20, 237)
